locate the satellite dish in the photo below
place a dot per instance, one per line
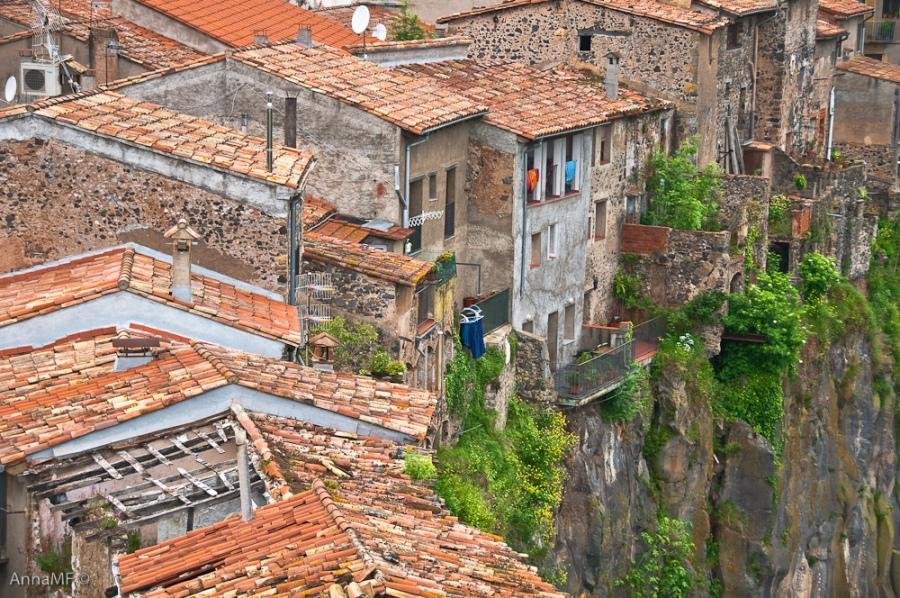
(360, 19)
(9, 93)
(380, 32)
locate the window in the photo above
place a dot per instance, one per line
(604, 144)
(415, 209)
(425, 309)
(535, 250)
(450, 203)
(584, 42)
(734, 36)
(432, 186)
(890, 9)
(600, 220)
(552, 247)
(569, 324)
(860, 37)
(528, 326)
(553, 168)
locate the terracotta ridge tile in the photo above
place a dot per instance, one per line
(272, 475)
(334, 512)
(215, 361)
(29, 272)
(124, 280)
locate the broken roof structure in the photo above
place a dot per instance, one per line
(351, 522)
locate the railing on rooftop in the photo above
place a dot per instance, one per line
(882, 30)
(495, 308)
(581, 382)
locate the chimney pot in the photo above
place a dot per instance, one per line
(182, 237)
(612, 76)
(304, 37)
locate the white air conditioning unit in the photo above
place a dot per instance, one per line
(40, 80)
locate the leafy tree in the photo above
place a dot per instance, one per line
(359, 349)
(663, 568)
(406, 25)
(682, 196)
(818, 275)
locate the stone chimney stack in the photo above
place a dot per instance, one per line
(182, 237)
(243, 467)
(103, 50)
(261, 38)
(612, 76)
(304, 37)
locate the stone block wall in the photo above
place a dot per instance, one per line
(360, 297)
(57, 201)
(533, 380)
(880, 161)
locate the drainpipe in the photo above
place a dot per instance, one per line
(295, 246)
(522, 269)
(269, 131)
(830, 124)
(405, 198)
(243, 467)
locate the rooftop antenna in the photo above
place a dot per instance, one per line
(360, 22)
(380, 32)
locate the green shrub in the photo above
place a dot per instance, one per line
(681, 196)
(419, 467)
(800, 182)
(702, 310)
(406, 25)
(632, 397)
(133, 541)
(818, 275)
(627, 289)
(664, 567)
(779, 216)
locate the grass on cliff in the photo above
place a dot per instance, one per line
(505, 481)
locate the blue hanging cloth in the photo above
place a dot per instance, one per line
(570, 171)
(471, 336)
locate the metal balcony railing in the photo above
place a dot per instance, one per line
(882, 30)
(495, 309)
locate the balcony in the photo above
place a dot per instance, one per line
(882, 31)
(581, 383)
(495, 308)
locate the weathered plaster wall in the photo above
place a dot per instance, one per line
(356, 151)
(864, 110)
(57, 201)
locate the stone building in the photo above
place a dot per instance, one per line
(390, 145)
(866, 116)
(547, 167)
(882, 34)
(851, 16)
(97, 169)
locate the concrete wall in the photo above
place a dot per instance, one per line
(59, 200)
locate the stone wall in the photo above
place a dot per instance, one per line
(57, 200)
(693, 262)
(880, 161)
(533, 380)
(360, 297)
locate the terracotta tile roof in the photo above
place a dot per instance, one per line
(412, 102)
(46, 289)
(826, 30)
(742, 7)
(844, 9)
(533, 103)
(69, 389)
(398, 530)
(377, 14)
(137, 44)
(386, 265)
(652, 9)
(868, 67)
(110, 114)
(315, 209)
(414, 44)
(234, 22)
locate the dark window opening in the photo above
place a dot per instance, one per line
(584, 42)
(535, 250)
(450, 204)
(415, 209)
(734, 36)
(426, 304)
(782, 252)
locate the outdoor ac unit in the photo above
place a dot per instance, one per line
(40, 79)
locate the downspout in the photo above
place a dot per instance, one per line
(830, 124)
(522, 270)
(295, 247)
(405, 198)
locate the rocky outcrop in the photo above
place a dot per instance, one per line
(814, 520)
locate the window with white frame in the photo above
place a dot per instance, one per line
(552, 242)
(553, 168)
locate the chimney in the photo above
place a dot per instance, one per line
(103, 53)
(133, 351)
(182, 237)
(261, 38)
(304, 37)
(612, 76)
(243, 467)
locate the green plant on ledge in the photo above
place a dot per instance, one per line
(627, 289)
(799, 181)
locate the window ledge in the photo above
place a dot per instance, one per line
(534, 204)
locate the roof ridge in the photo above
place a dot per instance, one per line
(17, 275)
(334, 512)
(271, 473)
(215, 361)
(124, 280)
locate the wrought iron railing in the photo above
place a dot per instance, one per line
(881, 30)
(605, 372)
(495, 309)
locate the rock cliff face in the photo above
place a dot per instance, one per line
(817, 520)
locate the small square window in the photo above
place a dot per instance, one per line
(535, 250)
(552, 242)
(584, 42)
(528, 326)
